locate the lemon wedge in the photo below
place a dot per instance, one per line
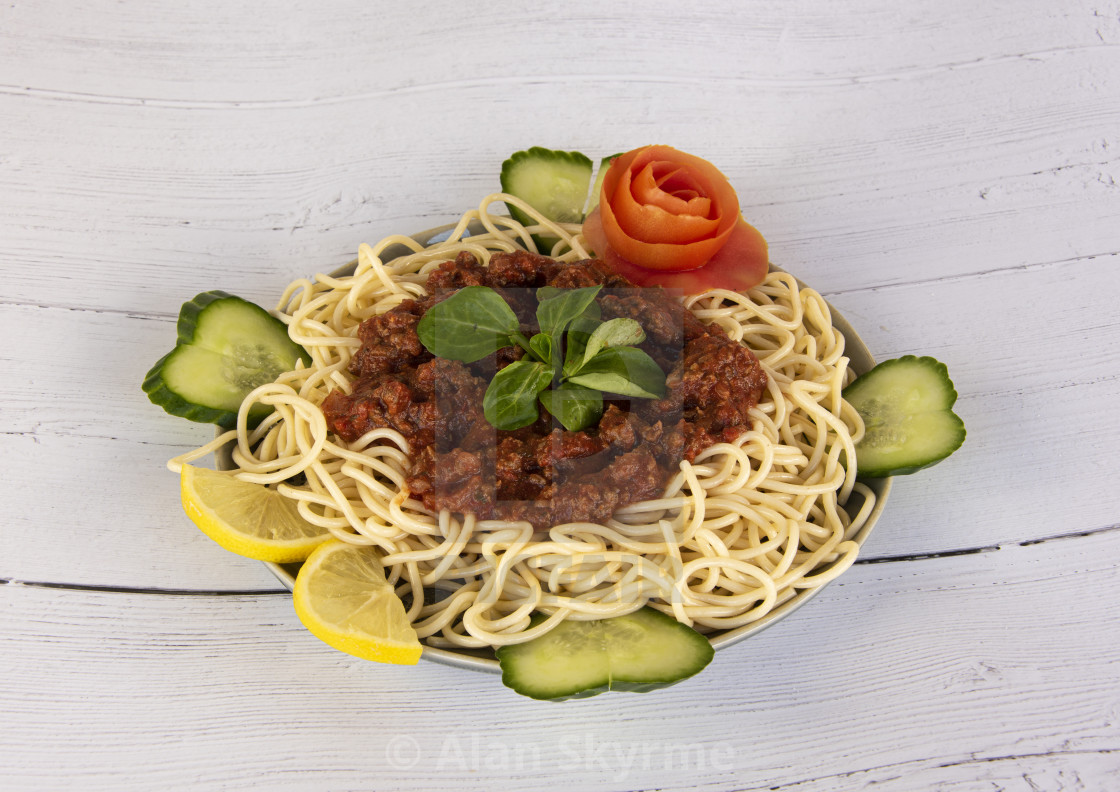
(341, 596)
(248, 519)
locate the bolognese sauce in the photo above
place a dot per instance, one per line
(543, 473)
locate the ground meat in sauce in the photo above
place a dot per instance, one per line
(543, 473)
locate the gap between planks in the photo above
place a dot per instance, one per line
(160, 316)
(281, 591)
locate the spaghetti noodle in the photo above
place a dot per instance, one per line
(737, 532)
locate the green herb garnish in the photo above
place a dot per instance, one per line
(510, 400)
(567, 365)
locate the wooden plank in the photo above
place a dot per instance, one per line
(1089, 770)
(991, 666)
(165, 201)
(1039, 457)
(82, 373)
(1024, 348)
(208, 52)
(100, 511)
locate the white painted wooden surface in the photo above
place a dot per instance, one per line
(946, 173)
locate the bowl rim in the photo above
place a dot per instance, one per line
(860, 360)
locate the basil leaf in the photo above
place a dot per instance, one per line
(554, 314)
(541, 345)
(579, 332)
(510, 401)
(624, 370)
(574, 406)
(469, 325)
(615, 333)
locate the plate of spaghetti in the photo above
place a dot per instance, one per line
(715, 490)
(737, 538)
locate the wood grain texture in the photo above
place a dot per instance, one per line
(206, 53)
(945, 174)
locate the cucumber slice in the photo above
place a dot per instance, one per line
(226, 347)
(639, 652)
(554, 183)
(906, 405)
(597, 187)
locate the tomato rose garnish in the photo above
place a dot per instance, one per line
(666, 210)
(669, 218)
